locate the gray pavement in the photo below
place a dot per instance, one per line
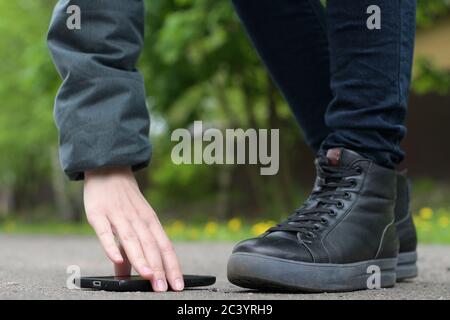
(34, 267)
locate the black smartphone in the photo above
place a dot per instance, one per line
(136, 283)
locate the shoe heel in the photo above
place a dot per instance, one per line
(406, 266)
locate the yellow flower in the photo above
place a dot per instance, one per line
(426, 213)
(177, 227)
(193, 234)
(444, 221)
(235, 224)
(261, 227)
(417, 220)
(211, 228)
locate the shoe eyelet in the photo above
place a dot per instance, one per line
(311, 235)
(316, 228)
(332, 213)
(359, 170)
(347, 195)
(340, 205)
(353, 183)
(324, 221)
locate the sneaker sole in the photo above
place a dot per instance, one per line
(406, 266)
(266, 273)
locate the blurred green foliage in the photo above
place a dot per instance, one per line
(27, 88)
(198, 64)
(430, 79)
(428, 11)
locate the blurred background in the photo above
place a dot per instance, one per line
(199, 64)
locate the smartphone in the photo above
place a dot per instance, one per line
(136, 283)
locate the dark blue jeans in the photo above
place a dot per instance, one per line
(346, 84)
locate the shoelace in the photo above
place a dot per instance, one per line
(305, 221)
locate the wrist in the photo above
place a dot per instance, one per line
(108, 171)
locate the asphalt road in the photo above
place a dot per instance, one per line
(35, 267)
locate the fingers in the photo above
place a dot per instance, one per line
(152, 254)
(171, 265)
(166, 250)
(103, 230)
(132, 246)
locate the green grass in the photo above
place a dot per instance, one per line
(56, 228)
(437, 235)
(234, 230)
(433, 226)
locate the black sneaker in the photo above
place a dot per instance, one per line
(407, 257)
(343, 233)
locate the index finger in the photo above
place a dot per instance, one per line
(104, 233)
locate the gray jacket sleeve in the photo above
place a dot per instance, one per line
(100, 109)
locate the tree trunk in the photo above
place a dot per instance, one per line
(6, 200)
(60, 191)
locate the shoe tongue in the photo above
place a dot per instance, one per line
(340, 157)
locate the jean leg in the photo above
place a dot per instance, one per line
(290, 36)
(370, 77)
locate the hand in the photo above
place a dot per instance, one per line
(116, 207)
